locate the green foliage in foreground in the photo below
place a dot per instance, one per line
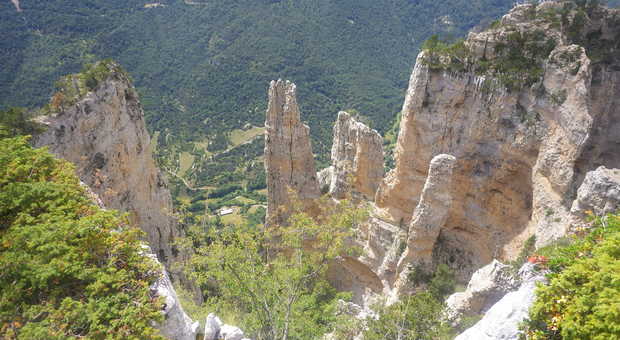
(582, 300)
(273, 279)
(67, 268)
(415, 317)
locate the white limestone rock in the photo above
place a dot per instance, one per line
(104, 134)
(599, 193)
(289, 162)
(215, 329)
(177, 325)
(487, 286)
(357, 159)
(501, 321)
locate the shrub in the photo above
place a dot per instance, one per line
(67, 268)
(582, 300)
(273, 279)
(15, 122)
(415, 317)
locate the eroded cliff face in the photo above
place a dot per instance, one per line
(521, 153)
(357, 159)
(103, 133)
(289, 162)
(519, 113)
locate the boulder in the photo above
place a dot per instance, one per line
(502, 320)
(599, 193)
(487, 286)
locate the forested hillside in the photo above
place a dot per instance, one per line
(202, 67)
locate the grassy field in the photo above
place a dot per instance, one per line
(245, 200)
(186, 160)
(254, 208)
(238, 136)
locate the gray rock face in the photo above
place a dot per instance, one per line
(501, 321)
(176, 325)
(599, 193)
(105, 136)
(215, 329)
(357, 159)
(289, 161)
(487, 286)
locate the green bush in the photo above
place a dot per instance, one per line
(67, 268)
(273, 280)
(15, 122)
(415, 317)
(582, 299)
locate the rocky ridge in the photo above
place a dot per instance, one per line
(103, 133)
(521, 140)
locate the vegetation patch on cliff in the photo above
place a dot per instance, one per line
(68, 268)
(582, 298)
(517, 58)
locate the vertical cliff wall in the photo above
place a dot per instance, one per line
(522, 152)
(527, 108)
(96, 122)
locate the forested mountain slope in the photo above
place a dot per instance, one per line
(203, 67)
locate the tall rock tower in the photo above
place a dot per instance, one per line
(289, 162)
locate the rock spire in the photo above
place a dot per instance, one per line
(357, 159)
(289, 162)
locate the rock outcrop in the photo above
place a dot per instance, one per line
(428, 219)
(502, 320)
(357, 159)
(215, 329)
(431, 213)
(289, 162)
(176, 325)
(103, 133)
(526, 114)
(599, 193)
(521, 152)
(487, 286)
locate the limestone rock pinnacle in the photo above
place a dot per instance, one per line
(357, 158)
(289, 162)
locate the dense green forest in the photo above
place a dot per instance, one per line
(202, 68)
